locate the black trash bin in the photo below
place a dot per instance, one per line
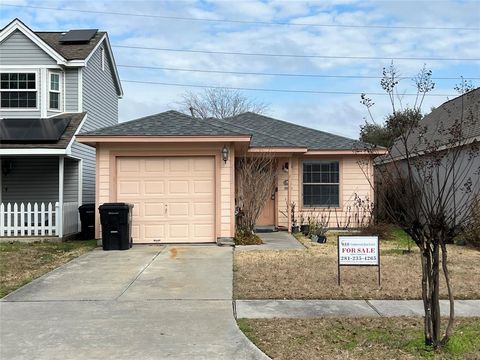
(116, 220)
(87, 218)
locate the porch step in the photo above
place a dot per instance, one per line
(265, 229)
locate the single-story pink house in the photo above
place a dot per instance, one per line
(179, 172)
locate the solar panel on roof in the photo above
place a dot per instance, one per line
(75, 36)
(32, 130)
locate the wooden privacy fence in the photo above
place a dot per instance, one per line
(37, 219)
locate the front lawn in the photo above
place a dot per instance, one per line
(20, 263)
(312, 273)
(358, 338)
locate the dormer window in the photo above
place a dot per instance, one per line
(18, 90)
(54, 92)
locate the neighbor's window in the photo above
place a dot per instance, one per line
(54, 92)
(18, 90)
(321, 183)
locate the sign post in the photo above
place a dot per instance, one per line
(356, 250)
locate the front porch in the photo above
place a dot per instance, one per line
(39, 197)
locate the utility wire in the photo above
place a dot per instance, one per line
(292, 55)
(282, 74)
(246, 22)
(270, 89)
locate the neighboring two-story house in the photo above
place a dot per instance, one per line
(53, 85)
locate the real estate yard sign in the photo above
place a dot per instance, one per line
(356, 250)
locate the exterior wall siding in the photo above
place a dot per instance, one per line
(71, 90)
(32, 179)
(86, 153)
(17, 49)
(356, 172)
(70, 181)
(100, 99)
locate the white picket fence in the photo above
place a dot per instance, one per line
(29, 219)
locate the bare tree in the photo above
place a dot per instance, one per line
(219, 103)
(432, 176)
(256, 176)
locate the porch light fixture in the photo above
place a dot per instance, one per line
(285, 167)
(225, 154)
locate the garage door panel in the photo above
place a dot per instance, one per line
(176, 209)
(129, 188)
(129, 165)
(178, 165)
(154, 232)
(154, 209)
(203, 208)
(154, 187)
(155, 165)
(178, 187)
(203, 186)
(174, 197)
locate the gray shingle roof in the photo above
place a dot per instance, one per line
(168, 123)
(463, 110)
(70, 51)
(269, 132)
(265, 131)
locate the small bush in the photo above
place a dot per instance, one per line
(472, 231)
(384, 231)
(245, 238)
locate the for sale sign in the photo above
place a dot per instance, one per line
(358, 250)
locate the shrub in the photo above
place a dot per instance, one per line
(384, 231)
(246, 238)
(472, 231)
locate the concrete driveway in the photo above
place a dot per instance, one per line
(150, 302)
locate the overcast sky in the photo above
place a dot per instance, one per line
(340, 114)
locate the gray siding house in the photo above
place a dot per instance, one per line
(53, 85)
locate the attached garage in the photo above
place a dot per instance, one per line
(173, 197)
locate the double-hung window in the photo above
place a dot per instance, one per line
(54, 92)
(321, 183)
(18, 90)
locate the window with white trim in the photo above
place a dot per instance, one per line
(321, 183)
(18, 90)
(54, 92)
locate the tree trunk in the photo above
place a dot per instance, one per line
(435, 298)
(427, 322)
(451, 317)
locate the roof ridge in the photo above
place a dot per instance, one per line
(258, 131)
(301, 126)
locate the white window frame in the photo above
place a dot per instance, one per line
(310, 207)
(59, 91)
(37, 90)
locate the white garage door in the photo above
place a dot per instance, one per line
(174, 197)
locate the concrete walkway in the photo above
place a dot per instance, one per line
(279, 240)
(258, 309)
(150, 302)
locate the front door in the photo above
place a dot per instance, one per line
(267, 216)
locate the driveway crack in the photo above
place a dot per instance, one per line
(140, 273)
(373, 308)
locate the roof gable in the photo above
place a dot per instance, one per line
(17, 25)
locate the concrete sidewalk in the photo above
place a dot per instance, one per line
(277, 240)
(150, 302)
(266, 309)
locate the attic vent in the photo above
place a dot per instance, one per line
(78, 36)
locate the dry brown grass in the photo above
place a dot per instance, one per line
(312, 274)
(20, 263)
(357, 338)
